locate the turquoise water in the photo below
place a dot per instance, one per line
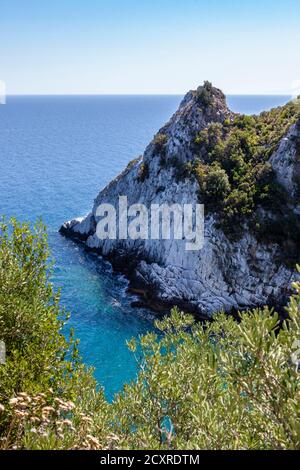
(56, 153)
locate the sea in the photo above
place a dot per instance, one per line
(56, 154)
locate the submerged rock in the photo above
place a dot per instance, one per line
(225, 274)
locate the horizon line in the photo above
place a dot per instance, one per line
(140, 94)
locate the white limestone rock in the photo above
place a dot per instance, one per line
(224, 275)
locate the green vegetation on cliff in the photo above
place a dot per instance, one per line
(237, 182)
(222, 385)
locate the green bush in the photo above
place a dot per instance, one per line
(159, 142)
(42, 367)
(214, 183)
(222, 385)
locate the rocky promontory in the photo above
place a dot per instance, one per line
(246, 171)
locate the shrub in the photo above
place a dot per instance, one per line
(205, 94)
(213, 183)
(133, 162)
(159, 142)
(42, 367)
(222, 385)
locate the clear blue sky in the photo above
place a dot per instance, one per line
(149, 46)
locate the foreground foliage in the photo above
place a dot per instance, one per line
(222, 385)
(238, 184)
(42, 382)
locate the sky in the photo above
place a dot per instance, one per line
(149, 46)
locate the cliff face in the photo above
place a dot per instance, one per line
(225, 274)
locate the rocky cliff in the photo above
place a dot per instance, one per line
(229, 272)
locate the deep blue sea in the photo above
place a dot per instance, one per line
(56, 153)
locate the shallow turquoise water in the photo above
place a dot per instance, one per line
(56, 153)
